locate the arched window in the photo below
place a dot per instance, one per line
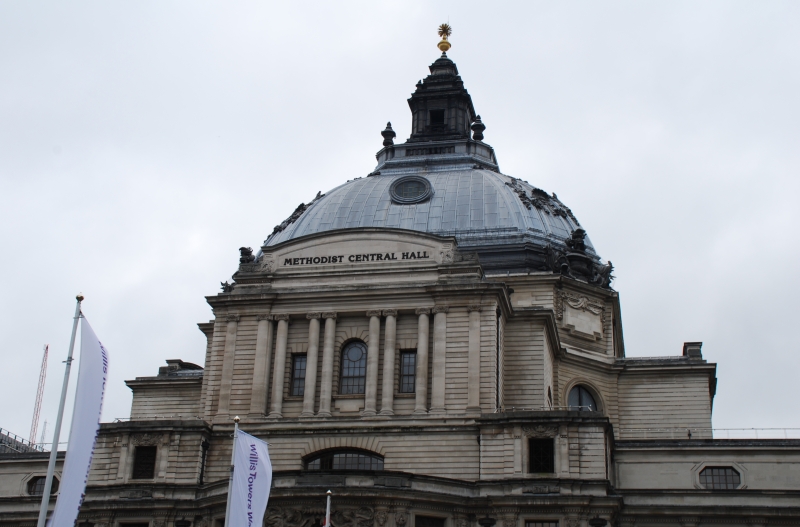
(345, 460)
(354, 368)
(581, 399)
(36, 486)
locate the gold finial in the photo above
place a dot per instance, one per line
(444, 31)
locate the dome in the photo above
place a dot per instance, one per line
(446, 181)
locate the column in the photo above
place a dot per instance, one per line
(327, 365)
(228, 357)
(474, 360)
(280, 366)
(309, 394)
(373, 357)
(389, 339)
(421, 386)
(258, 401)
(439, 359)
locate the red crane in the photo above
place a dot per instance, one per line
(39, 393)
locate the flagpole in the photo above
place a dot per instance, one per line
(328, 511)
(51, 467)
(230, 478)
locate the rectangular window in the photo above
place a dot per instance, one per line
(537, 523)
(144, 462)
(408, 370)
(428, 521)
(298, 374)
(542, 455)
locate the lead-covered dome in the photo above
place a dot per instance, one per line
(446, 181)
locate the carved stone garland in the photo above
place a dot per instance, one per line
(581, 302)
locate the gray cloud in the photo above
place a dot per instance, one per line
(142, 143)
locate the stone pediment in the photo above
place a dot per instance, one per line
(357, 249)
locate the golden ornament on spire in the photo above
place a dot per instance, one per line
(444, 31)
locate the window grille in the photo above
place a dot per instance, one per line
(720, 478)
(144, 462)
(345, 460)
(298, 374)
(542, 455)
(408, 371)
(354, 368)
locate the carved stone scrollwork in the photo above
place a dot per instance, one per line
(561, 299)
(287, 517)
(447, 253)
(263, 316)
(361, 517)
(314, 315)
(282, 316)
(145, 439)
(542, 489)
(474, 307)
(329, 314)
(423, 311)
(381, 517)
(390, 312)
(440, 309)
(374, 313)
(465, 257)
(577, 302)
(232, 318)
(540, 430)
(400, 519)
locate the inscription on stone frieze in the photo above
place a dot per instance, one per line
(356, 258)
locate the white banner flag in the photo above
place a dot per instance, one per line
(252, 479)
(83, 432)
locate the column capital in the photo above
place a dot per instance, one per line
(263, 316)
(329, 314)
(232, 318)
(441, 309)
(311, 316)
(282, 316)
(390, 312)
(374, 313)
(474, 307)
(423, 311)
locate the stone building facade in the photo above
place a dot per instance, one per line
(439, 345)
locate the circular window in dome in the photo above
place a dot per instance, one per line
(410, 189)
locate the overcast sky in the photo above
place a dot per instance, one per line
(142, 143)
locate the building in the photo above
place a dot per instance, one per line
(439, 345)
